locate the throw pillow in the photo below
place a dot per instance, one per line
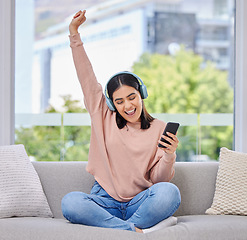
(21, 193)
(231, 192)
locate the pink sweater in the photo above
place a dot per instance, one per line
(123, 161)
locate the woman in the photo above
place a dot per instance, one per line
(132, 174)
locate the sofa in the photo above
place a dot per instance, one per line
(196, 181)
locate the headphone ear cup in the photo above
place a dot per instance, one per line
(110, 104)
(143, 91)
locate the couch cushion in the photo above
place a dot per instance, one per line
(231, 192)
(21, 193)
(58, 229)
(204, 227)
(196, 182)
(188, 228)
(60, 178)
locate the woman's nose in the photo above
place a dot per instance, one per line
(128, 105)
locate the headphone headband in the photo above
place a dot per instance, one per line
(143, 89)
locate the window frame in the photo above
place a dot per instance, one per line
(240, 99)
(7, 71)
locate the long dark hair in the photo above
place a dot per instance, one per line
(127, 79)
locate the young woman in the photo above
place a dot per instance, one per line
(132, 174)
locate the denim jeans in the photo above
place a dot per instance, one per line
(99, 209)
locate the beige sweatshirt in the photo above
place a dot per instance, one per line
(124, 161)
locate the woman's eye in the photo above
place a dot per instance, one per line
(120, 102)
(132, 98)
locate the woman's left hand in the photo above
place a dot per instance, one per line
(173, 140)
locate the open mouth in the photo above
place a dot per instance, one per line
(131, 112)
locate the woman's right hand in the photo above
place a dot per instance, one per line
(78, 19)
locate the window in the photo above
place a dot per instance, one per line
(149, 32)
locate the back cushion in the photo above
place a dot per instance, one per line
(196, 181)
(60, 178)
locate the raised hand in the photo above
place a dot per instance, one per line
(78, 19)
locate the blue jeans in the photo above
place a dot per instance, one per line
(99, 209)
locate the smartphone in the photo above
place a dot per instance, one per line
(171, 127)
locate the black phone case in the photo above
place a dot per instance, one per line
(171, 127)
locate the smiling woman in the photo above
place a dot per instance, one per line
(128, 165)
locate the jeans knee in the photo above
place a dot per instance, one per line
(68, 198)
(175, 193)
(70, 203)
(168, 191)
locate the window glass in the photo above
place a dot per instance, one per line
(183, 51)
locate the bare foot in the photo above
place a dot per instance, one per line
(138, 230)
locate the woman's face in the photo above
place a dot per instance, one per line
(128, 103)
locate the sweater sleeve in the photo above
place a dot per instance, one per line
(163, 170)
(92, 90)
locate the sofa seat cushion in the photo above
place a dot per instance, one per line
(203, 227)
(189, 227)
(36, 228)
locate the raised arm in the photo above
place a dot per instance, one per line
(92, 90)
